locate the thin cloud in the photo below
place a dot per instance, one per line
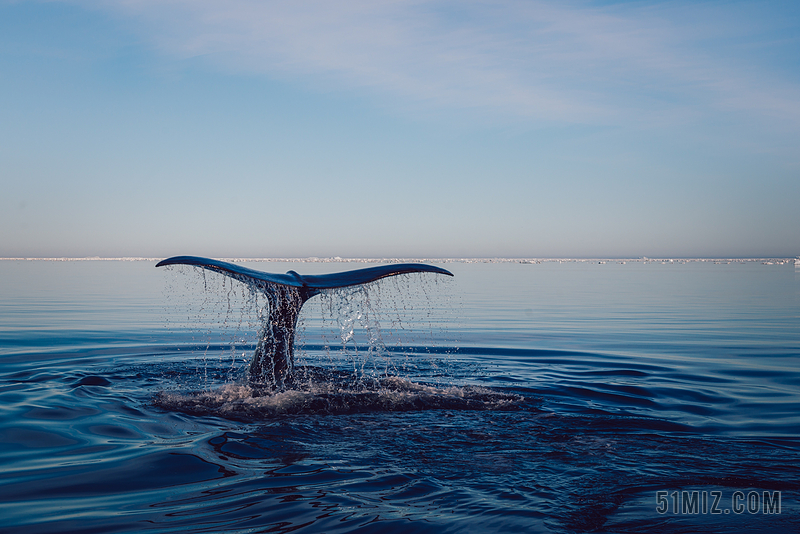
(547, 61)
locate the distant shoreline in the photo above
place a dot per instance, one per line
(775, 261)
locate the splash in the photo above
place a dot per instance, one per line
(361, 365)
(334, 394)
(273, 361)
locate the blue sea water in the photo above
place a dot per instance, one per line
(552, 397)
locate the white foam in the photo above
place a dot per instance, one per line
(334, 396)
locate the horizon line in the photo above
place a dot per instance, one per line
(477, 259)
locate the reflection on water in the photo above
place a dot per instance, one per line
(531, 398)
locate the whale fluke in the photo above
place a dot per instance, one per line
(273, 360)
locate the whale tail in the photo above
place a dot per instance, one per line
(273, 360)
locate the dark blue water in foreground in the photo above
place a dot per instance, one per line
(512, 398)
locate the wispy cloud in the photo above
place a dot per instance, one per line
(549, 61)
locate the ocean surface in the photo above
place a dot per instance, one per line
(513, 397)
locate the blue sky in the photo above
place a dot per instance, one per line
(399, 129)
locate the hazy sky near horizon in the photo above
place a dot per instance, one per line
(399, 128)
